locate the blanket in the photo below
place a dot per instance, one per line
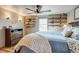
(35, 42)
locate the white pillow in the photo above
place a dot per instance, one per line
(75, 32)
(66, 30)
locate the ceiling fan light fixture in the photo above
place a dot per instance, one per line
(38, 9)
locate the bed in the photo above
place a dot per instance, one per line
(56, 40)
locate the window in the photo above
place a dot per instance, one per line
(42, 24)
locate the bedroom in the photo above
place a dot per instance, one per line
(51, 24)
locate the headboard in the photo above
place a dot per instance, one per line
(74, 24)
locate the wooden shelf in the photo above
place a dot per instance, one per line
(53, 25)
(56, 20)
(29, 24)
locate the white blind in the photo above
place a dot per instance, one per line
(43, 24)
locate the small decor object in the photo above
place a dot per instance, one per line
(7, 18)
(76, 13)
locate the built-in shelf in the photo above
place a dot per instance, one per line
(29, 24)
(56, 20)
(54, 25)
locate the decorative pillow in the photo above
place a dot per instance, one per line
(66, 30)
(75, 32)
(68, 34)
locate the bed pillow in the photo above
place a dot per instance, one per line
(68, 34)
(66, 30)
(75, 32)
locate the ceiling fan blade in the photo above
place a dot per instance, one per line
(45, 11)
(32, 13)
(30, 9)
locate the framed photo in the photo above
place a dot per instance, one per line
(76, 13)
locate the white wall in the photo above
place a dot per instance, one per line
(71, 16)
(13, 21)
(2, 37)
(18, 25)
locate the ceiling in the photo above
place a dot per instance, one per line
(55, 9)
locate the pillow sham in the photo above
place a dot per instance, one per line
(68, 34)
(67, 29)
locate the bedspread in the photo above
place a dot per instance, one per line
(36, 42)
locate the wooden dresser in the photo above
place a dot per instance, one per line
(7, 37)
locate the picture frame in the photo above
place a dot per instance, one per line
(76, 13)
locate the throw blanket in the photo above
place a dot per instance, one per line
(36, 42)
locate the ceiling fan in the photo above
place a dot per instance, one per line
(38, 10)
